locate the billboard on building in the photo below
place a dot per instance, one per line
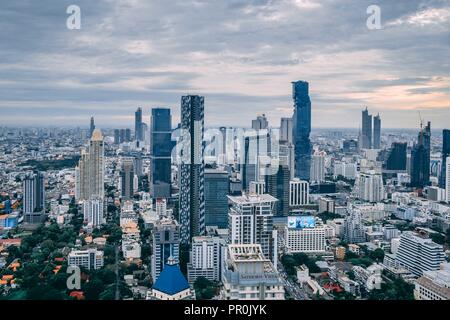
(301, 222)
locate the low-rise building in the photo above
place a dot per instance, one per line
(434, 285)
(305, 238)
(369, 277)
(171, 284)
(91, 259)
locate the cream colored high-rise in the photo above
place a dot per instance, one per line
(90, 172)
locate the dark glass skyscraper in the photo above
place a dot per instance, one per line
(377, 132)
(127, 179)
(445, 154)
(192, 169)
(138, 134)
(160, 153)
(277, 185)
(420, 159)
(366, 132)
(255, 145)
(217, 187)
(33, 197)
(91, 127)
(302, 129)
(116, 136)
(349, 146)
(396, 158)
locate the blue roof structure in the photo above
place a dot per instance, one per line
(171, 281)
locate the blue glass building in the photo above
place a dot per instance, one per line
(160, 152)
(217, 188)
(445, 154)
(420, 159)
(302, 129)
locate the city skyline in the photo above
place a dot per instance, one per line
(242, 60)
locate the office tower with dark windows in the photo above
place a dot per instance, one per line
(396, 158)
(377, 132)
(302, 129)
(217, 188)
(116, 136)
(138, 134)
(366, 132)
(192, 169)
(160, 153)
(277, 185)
(420, 159)
(138, 163)
(165, 244)
(445, 153)
(127, 179)
(350, 146)
(256, 145)
(122, 135)
(447, 180)
(127, 135)
(33, 197)
(91, 127)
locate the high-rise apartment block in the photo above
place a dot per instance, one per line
(192, 169)
(206, 259)
(90, 172)
(251, 222)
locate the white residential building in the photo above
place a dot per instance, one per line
(307, 240)
(370, 186)
(93, 212)
(434, 285)
(344, 169)
(206, 259)
(298, 192)
(419, 254)
(91, 259)
(250, 221)
(249, 275)
(161, 207)
(317, 168)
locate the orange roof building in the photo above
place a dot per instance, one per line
(79, 295)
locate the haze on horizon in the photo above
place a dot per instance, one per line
(241, 55)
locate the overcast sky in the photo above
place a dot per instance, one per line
(241, 55)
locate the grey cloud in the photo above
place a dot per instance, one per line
(82, 72)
